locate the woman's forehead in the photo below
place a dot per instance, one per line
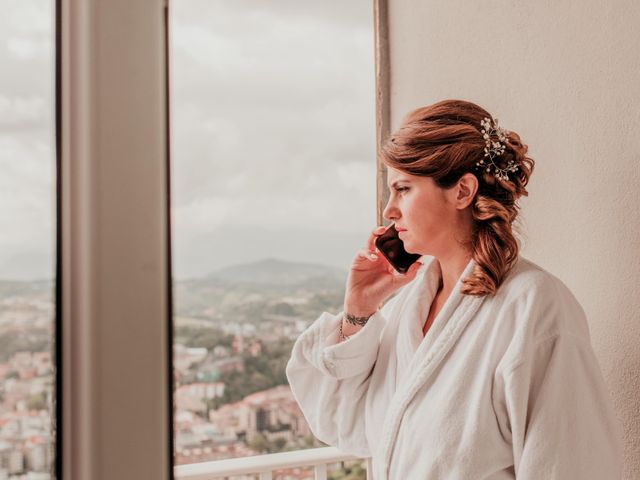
(394, 175)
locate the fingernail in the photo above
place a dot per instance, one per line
(373, 256)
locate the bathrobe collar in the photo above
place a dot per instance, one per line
(422, 356)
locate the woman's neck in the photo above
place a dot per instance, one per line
(451, 268)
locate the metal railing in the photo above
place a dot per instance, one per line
(263, 466)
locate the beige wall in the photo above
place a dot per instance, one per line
(565, 75)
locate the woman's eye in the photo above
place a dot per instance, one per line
(402, 189)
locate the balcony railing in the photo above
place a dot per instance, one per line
(263, 466)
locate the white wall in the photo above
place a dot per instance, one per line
(565, 75)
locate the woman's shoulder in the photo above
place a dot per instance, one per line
(541, 301)
(527, 279)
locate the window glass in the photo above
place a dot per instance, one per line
(273, 192)
(27, 239)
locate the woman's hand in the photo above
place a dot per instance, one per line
(372, 279)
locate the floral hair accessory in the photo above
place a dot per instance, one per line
(495, 149)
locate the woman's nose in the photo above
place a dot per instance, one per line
(390, 212)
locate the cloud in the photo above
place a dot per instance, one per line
(19, 114)
(350, 209)
(287, 92)
(26, 205)
(28, 48)
(273, 122)
(225, 16)
(27, 17)
(27, 195)
(273, 127)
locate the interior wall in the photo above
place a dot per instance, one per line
(565, 75)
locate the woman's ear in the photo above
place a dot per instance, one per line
(465, 189)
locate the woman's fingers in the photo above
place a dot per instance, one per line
(371, 244)
(367, 255)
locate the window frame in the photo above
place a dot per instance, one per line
(383, 100)
(113, 256)
(114, 270)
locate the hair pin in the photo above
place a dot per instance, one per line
(495, 148)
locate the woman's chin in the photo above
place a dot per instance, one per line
(410, 248)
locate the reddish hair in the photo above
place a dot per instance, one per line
(443, 141)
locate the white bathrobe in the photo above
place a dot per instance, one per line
(501, 387)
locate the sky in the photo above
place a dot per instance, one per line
(27, 162)
(273, 133)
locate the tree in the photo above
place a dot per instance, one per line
(279, 444)
(37, 402)
(352, 472)
(259, 443)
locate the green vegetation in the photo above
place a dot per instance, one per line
(35, 340)
(267, 370)
(356, 471)
(261, 444)
(37, 402)
(281, 308)
(208, 337)
(325, 301)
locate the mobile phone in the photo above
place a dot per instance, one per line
(392, 247)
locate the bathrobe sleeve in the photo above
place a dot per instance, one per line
(561, 418)
(329, 380)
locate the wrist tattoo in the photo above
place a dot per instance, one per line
(353, 320)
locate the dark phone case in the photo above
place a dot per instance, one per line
(391, 246)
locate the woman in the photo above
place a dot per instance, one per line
(481, 365)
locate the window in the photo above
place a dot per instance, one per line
(274, 190)
(27, 240)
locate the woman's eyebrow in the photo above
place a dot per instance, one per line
(397, 182)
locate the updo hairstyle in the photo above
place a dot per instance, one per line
(444, 141)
